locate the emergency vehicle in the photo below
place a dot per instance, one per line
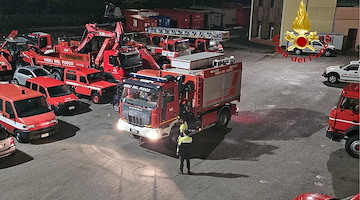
(343, 73)
(199, 87)
(344, 120)
(57, 93)
(89, 82)
(25, 113)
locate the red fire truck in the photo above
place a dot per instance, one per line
(199, 87)
(344, 120)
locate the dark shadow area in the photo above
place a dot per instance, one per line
(250, 130)
(82, 108)
(6, 75)
(345, 173)
(220, 175)
(66, 130)
(17, 158)
(335, 85)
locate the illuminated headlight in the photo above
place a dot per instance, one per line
(121, 125)
(29, 126)
(53, 121)
(153, 134)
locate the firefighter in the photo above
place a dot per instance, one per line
(183, 146)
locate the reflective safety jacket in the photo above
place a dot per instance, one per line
(184, 144)
(183, 127)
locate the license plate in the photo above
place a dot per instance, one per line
(134, 131)
(44, 135)
(71, 107)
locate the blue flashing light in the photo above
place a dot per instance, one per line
(151, 78)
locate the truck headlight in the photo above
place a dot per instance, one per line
(29, 126)
(121, 125)
(153, 134)
(53, 121)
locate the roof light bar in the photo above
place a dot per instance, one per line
(151, 78)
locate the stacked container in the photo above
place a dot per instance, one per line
(179, 19)
(163, 21)
(137, 23)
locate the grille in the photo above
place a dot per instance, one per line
(136, 120)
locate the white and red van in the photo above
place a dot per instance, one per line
(25, 113)
(57, 93)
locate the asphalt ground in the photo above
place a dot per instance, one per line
(275, 148)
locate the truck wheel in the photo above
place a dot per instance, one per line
(223, 119)
(95, 97)
(116, 107)
(297, 51)
(333, 78)
(172, 139)
(155, 40)
(16, 82)
(18, 137)
(352, 146)
(327, 53)
(57, 75)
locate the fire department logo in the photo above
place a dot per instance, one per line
(301, 25)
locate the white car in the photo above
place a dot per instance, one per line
(7, 145)
(343, 73)
(328, 51)
(23, 73)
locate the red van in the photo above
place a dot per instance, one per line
(25, 113)
(57, 93)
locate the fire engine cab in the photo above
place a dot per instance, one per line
(344, 120)
(199, 87)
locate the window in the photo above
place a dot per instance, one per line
(261, 3)
(272, 3)
(42, 42)
(271, 31)
(82, 79)
(27, 84)
(34, 86)
(71, 76)
(25, 71)
(1, 105)
(42, 90)
(169, 95)
(316, 43)
(8, 108)
(259, 29)
(41, 72)
(353, 67)
(350, 104)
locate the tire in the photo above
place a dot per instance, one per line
(18, 137)
(116, 107)
(327, 53)
(95, 97)
(16, 82)
(57, 75)
(333, 78)
(171, 141)
(155, 40)
(352, 146)
(297, 51)
(223, 119)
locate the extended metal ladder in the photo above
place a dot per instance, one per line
(206, 34)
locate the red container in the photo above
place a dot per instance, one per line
(128, 12)
(137, 23)
(242, 17)
(181, 19)
(197, 20)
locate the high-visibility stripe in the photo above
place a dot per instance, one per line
(79, 85)
(13, 123)
(345, 121)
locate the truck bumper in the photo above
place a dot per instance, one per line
(40, 133)
(67, 107)
(333, 135)
(145, 132)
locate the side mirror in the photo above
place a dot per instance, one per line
(355, 109)
(12, 116)
(346, 69)
(31, 76)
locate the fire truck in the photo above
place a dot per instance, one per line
(111, 57)
(344, 120)
(199, 40)
(199, 87)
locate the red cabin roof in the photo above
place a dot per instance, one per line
(82, 70)
(46, 81)
(15, 92)
(351, 90)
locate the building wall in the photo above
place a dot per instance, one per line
(268, 17)
(346, 18)
(320, 12)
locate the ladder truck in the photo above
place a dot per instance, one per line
(199, 87)
(199, 40)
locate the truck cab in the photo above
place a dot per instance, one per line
(40, 41)
(344, 120)
(89, 82)
(57, 93)
(25, 113)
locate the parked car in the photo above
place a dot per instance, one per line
(23, 73)
(327, 50)
(313, 196)
(57, 93)
(343, 73)
(7, 145)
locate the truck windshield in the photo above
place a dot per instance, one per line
(130, 59)
(31, 107)
(58, 91)
(95, 77)
(143, 97)
(181, 46)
